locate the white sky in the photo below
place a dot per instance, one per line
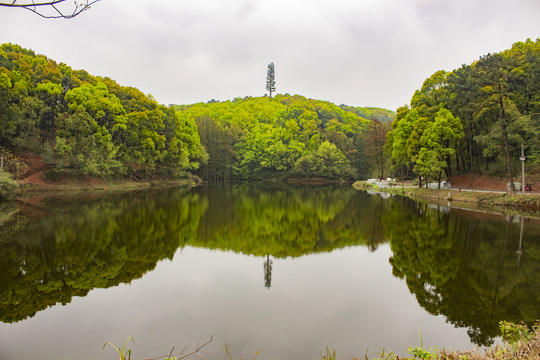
(354, 52)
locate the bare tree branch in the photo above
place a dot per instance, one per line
(50, 9)
(182, 354)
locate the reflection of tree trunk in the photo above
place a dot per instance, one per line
(268, 272)
(501, 267)
(469, 234)
(520, 241)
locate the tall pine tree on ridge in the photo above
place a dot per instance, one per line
(270, 79)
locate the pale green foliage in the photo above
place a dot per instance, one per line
(89, 126)
(435, 143)
(7, 185)
(261, 138)
(97, 101)
(402, 130)
(50, 88)
(5, 82)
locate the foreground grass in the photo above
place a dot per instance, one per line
(519, 343)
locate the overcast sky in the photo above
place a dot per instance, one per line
(354, 52)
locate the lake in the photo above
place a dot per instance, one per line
(271, 272)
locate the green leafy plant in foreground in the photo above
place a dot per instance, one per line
(329, 355)
(422, 353)
(123, 353)
(514, 333)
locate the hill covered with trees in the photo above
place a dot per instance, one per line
(90, 126)
(473, 119)
(86, 125)
(285, 136)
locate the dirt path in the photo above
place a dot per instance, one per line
(491, 183)
(37, 169)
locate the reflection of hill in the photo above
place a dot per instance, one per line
(456, 264)
(88, 245)
(285, 221)
(98, 243)
(465, 269)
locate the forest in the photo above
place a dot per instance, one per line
(472, 120)
(89, 126)
(286, 136)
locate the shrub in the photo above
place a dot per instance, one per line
(8, 186)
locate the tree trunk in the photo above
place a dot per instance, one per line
(508, 161)
(469, 140)
(506, 148)
(448, 160)
(381, 164)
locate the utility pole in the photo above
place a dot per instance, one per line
(522, 158)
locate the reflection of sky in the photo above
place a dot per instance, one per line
(347, 300)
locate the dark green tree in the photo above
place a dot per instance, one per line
(270, 79)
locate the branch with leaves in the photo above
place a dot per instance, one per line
(51, 9)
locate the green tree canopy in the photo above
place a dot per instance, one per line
(90, 126)
(496, 100)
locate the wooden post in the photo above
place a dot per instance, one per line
(2, 162)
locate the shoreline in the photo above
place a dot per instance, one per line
(506, 203)
(485, 200)
(29, 188)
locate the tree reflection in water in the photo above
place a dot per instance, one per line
(464, 266)
(469, 267)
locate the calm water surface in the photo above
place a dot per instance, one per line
(273, 272)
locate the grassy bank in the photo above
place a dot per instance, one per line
(507, 203)
(519, 343)
(26, 189)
